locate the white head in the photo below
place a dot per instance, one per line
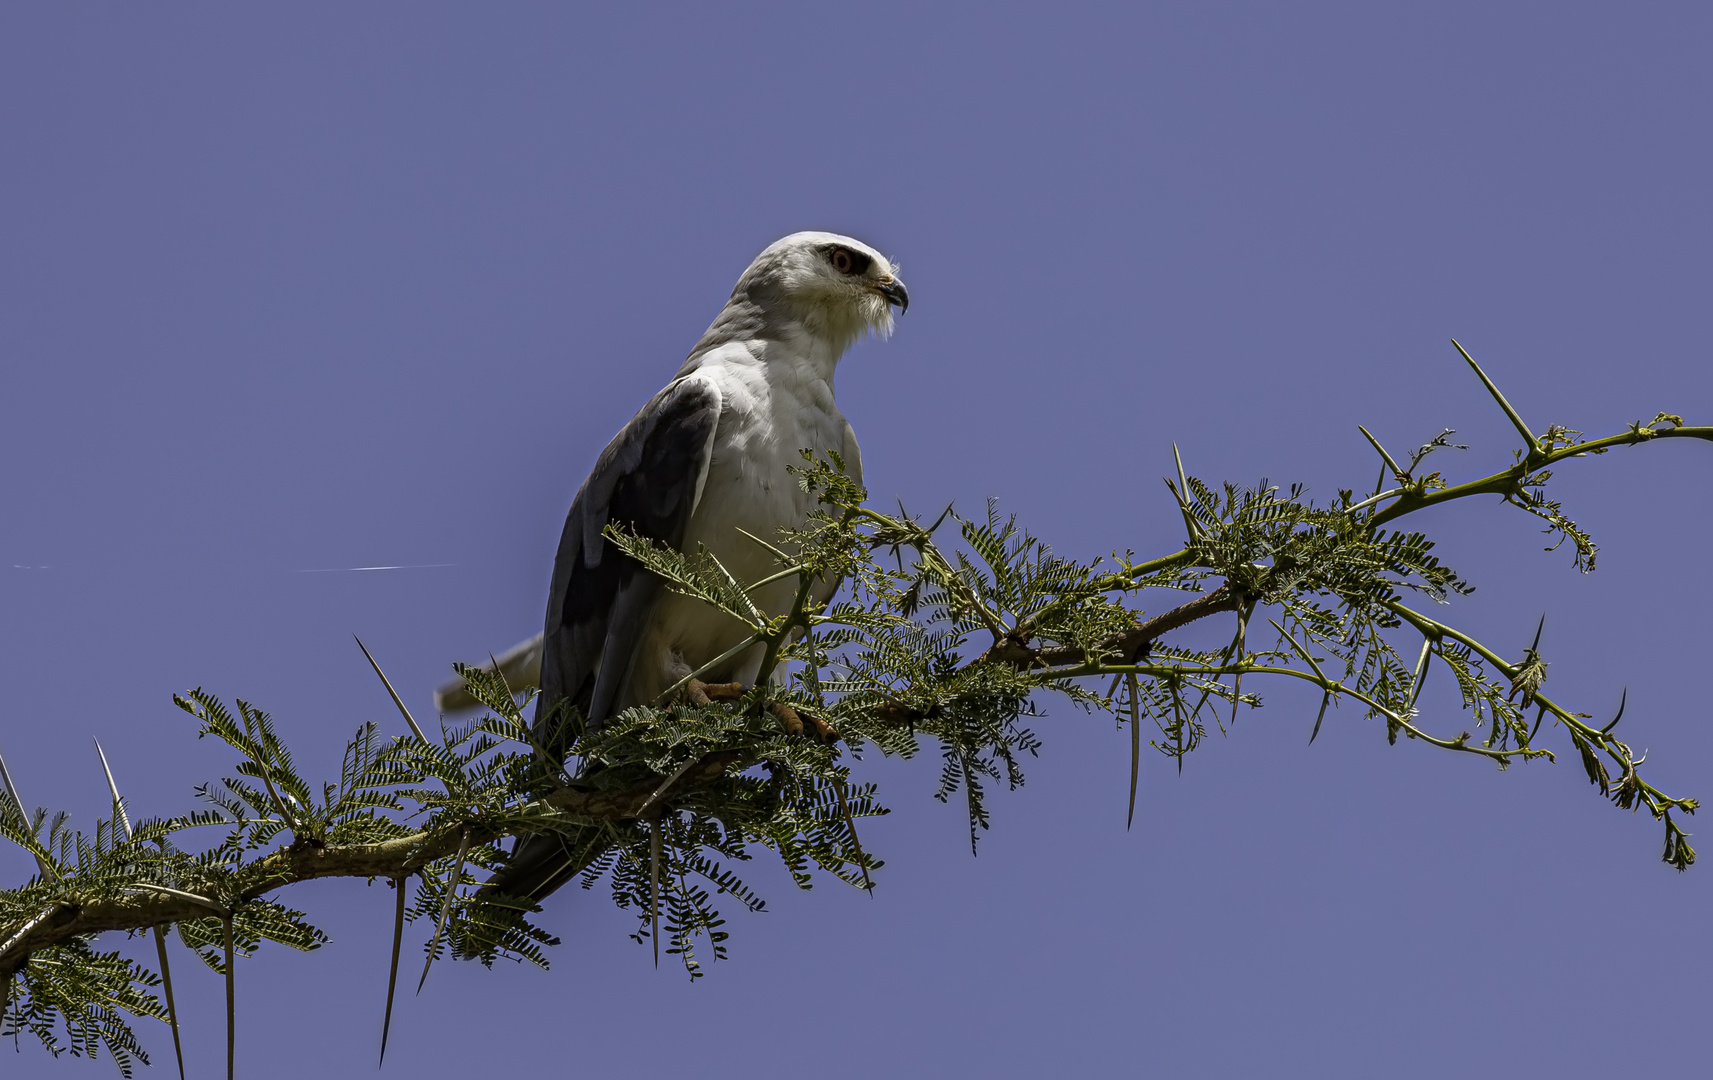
(830, 286)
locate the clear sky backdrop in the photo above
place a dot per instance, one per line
(294, 289)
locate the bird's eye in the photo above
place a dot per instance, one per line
(846, 261)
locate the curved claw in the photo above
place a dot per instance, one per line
(702, 693)
(802, 724)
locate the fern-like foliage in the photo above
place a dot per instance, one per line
(73, 999)
(958, 637)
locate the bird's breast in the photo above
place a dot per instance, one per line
(771, 413)
(776, 401)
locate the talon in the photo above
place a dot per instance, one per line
(823, 731)
(802, 724)
(788, 718)
(702, 693)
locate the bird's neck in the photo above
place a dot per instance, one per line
(804, 350)
(807, 355)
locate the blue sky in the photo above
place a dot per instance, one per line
(339, 286)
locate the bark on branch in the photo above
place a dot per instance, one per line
(395, 858)
(405, 855)
(1127, 646)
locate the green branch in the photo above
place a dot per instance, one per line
(957, 640)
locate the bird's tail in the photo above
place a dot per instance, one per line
(540, 863)
(520, 664)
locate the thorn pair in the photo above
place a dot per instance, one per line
(124, 821)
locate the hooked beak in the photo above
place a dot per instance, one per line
(895, 293)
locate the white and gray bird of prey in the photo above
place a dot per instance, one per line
(708, 456)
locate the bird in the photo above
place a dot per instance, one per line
(707, 459)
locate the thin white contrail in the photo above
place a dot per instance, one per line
(355, 569)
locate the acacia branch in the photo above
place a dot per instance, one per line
(1583, 734)
(1510, 482)
(1127, 644)
(1070, 661)
(1251, 541)
(303, 861)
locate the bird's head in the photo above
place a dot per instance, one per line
(835, 287)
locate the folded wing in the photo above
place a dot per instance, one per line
(648, 480)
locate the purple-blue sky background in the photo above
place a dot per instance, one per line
(342, 286)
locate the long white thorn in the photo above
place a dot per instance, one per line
(408, 718)
(445, 907)
(23, 815)
(124, 820)
(654, 885)
(119, 814)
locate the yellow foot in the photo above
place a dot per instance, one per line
(802, 723)
(793, 722)
(702, 693)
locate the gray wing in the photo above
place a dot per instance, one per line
(647, 480)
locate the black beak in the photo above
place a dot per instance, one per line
(895, 293)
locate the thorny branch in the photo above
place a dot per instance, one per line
(884, 668)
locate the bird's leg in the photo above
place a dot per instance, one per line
(702, 693)
(823, 730)
(787, 717)
(800, 723)
(792, 721)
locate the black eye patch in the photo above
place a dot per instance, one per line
(846, 261)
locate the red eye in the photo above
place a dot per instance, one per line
(845, 261)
